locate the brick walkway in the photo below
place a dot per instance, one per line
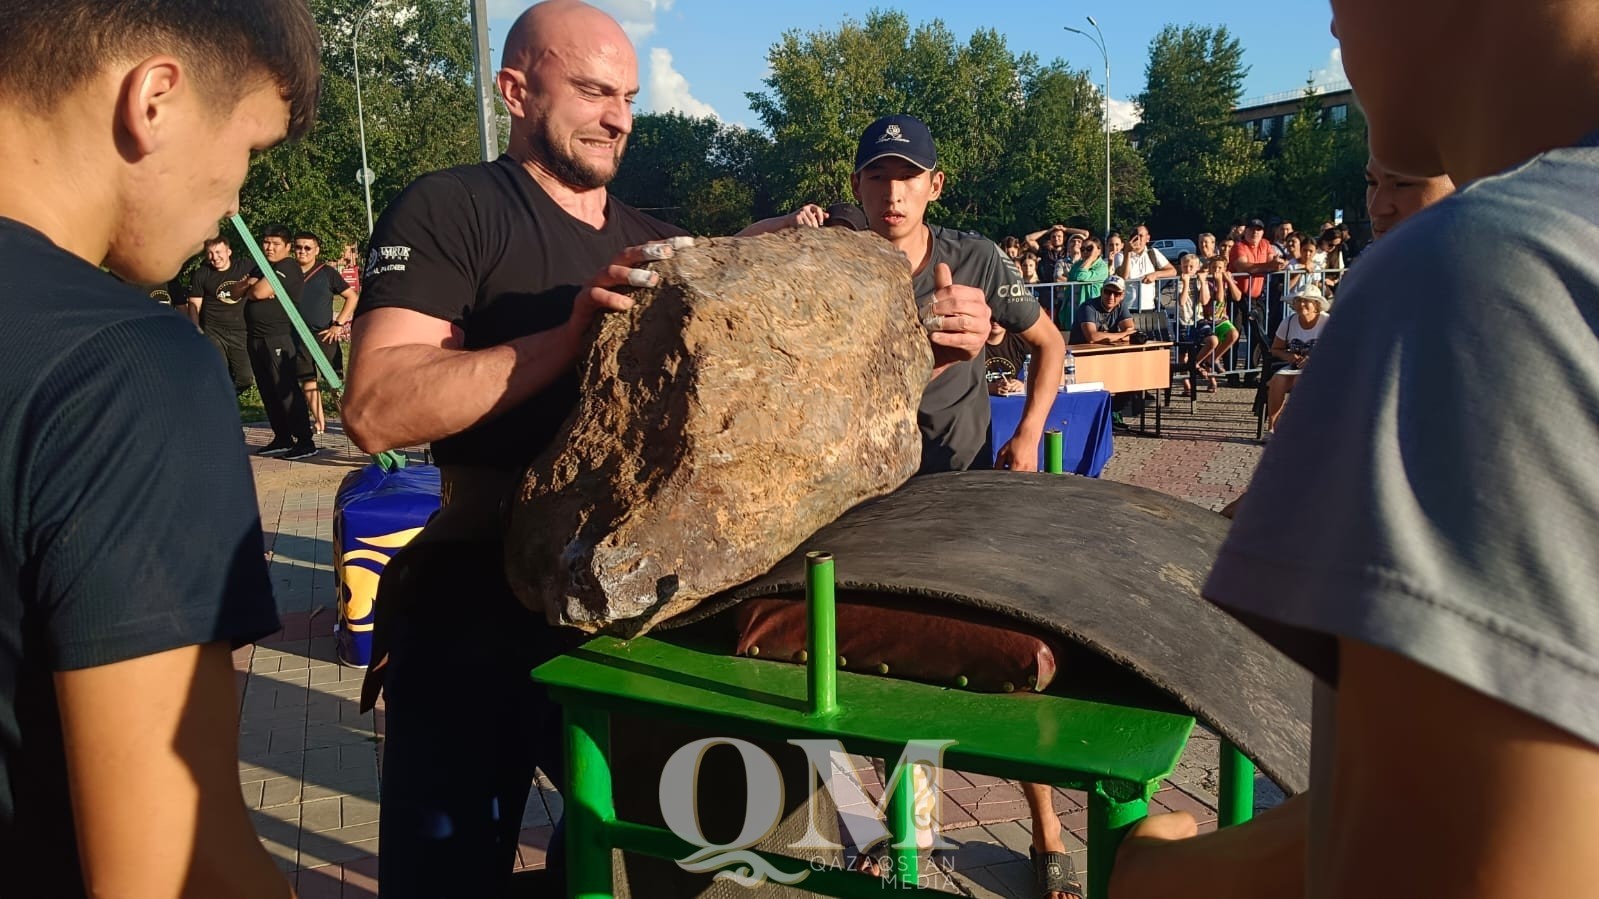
(309, 761)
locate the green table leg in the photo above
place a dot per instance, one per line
(589, 805)
(1113, 808)
(902, 828)
(1237, 792)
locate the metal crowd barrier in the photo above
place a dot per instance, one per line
(1255, 318)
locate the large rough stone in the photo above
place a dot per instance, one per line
(766, 386)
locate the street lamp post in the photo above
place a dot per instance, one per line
(1100, 43)
(360, 114)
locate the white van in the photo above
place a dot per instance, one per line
(1171, 249)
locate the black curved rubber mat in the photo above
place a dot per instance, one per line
(1107, 566)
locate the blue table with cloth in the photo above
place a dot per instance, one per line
(1083, 419)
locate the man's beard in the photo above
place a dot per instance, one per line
(562, 164)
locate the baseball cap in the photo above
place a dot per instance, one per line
(897, 135)
(847, 215)
(1114, 282)
(1256, 223)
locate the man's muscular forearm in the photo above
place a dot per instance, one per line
(411, 394)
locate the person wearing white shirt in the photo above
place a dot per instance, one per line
(1141, 267)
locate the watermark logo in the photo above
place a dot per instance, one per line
(764, 803)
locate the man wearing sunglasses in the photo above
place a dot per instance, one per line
(323, 282)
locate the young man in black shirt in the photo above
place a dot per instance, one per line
(481, 284)
(275, 351)
(131, 558)
(213, 290)
(322, 283)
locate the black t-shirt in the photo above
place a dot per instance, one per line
(322, 283)
(221, 307)
(1053, 265)
(485, 248)
(954, 415)
(266, 318)
(170, 293)
(128, 522)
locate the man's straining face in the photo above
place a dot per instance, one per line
(581, 107)
(894, 193)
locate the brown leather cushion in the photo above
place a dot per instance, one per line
(879, 636)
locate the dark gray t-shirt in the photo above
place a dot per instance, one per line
(1446, 456)
(954, 414)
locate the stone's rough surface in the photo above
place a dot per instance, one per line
(767, 385)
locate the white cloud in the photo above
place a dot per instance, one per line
(1333, 71)
(637, 16)
(669, 90)
(1123, 114)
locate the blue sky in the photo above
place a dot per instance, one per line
(701, 56)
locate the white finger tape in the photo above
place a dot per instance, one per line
(933, 322)
(680, 242)
(657, 251)
(639, 277)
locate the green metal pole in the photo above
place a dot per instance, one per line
(1054, 451)
(1109, 819)
(902, 851)
(1237, 788)
(821, 661)
(589, 806)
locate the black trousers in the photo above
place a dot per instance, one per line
(231, 344)
(465, 724)
(274, 361)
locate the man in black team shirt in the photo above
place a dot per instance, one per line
(322, 283)
(214, 291)
(131, 558)
(275, 351)
(481, 283)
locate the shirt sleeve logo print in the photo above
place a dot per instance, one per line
(387, 259)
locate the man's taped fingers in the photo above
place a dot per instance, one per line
(657, 250)
(638, 277)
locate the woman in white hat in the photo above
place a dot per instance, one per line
(1295, 338)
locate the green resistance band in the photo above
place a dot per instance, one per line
(388, 460)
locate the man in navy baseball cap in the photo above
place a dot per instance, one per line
(963, 285)
(897, 135)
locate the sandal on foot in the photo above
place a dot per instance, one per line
(1055, 873)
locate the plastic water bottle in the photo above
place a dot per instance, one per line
(1027, 365)
(1071, 371)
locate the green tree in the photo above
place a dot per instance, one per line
(695, 172)
(1203, 173)
(1021, 144)
(1057, 163)
(1319, 165)
(417, 95)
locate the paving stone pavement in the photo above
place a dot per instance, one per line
(310, 761)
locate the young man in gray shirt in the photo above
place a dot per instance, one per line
(1439, 578)
(896, 178)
